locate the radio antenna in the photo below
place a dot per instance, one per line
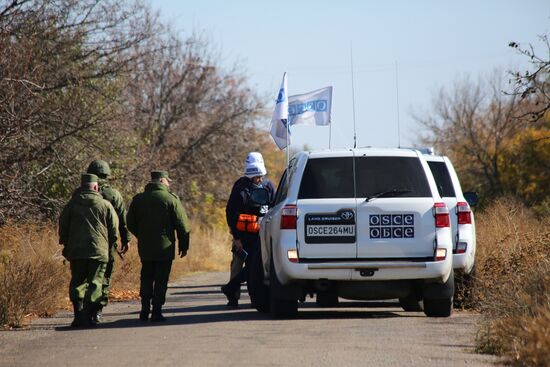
(397, 98)
(353, 96)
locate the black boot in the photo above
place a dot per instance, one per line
(87, 315)
(96, 316)
(232, 301)
(77, 310)
(156, 315)
(145, 309)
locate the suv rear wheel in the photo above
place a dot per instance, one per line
(438, 307)
(412, 303)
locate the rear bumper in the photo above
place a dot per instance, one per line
(464, 262)
(289, 272)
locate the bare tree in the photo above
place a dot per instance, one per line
(86, 79)
(193, 117)
(472, 124)
(534, 85)
(61, 63)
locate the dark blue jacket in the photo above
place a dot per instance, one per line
(239, 202)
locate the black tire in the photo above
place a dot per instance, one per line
(280, 308)
(325, 299)
(412, 303)
(438, 307)
(258, 291)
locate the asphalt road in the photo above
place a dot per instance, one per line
(200, 331)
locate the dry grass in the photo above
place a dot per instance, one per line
(34, 276)
(512, 287)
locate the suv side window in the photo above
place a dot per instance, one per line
(442, 179)
(381, 174)
(282, 189)
(326, 178)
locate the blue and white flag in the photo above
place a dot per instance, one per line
(280, 117)
(311, 108)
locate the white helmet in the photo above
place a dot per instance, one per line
(254, 165)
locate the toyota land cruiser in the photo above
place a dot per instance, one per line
(359, 224)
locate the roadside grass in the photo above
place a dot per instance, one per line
(34, 276)
(512, 285)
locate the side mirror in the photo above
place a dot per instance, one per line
(260, 196)
(471, 197)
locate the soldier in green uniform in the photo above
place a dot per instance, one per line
(102, 170)
(153, 217)
(88, 227)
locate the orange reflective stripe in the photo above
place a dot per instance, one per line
(248, 223)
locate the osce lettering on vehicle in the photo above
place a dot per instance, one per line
(391, 226)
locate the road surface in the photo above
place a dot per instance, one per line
(200, 331)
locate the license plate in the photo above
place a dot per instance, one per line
(328, 230)
(336, 227)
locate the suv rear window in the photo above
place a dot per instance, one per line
(404, 175)
(326, 178)
(442, 179)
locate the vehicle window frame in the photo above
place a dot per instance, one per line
(418, 184)
(436, 175)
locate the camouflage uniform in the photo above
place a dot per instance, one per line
(87, 228)
(153, 217)
(103, 171)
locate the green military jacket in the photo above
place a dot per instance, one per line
(113, 196)
(153, 217)
(88, 227)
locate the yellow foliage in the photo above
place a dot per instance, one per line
(525, 164)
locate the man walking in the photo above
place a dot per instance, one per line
(153, 217)
(102, 170)
(87, 229)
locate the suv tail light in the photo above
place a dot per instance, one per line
(464, 213)
(441, 213)
(288, 217)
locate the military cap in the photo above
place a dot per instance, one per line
(88, 178)
(157, 175)
(99, 168)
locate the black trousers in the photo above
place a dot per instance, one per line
(154, 281)
(251, 244)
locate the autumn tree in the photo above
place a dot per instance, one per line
(61, 64)
(88, 79)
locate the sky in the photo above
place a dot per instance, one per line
(403, 53)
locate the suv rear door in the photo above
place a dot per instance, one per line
(447, 192)
(394, 208)
(327, 206)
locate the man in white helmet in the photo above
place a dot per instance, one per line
(245, 237)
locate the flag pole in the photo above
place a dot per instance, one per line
(287, 150)
(353, 95)
(287, 139)
(329, 135)
(397, 100)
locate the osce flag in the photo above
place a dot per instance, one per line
(280, 117)
(311, 108)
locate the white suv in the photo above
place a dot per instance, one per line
(462, 218)
(358, 224)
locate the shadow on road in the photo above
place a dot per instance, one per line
(218, 312)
